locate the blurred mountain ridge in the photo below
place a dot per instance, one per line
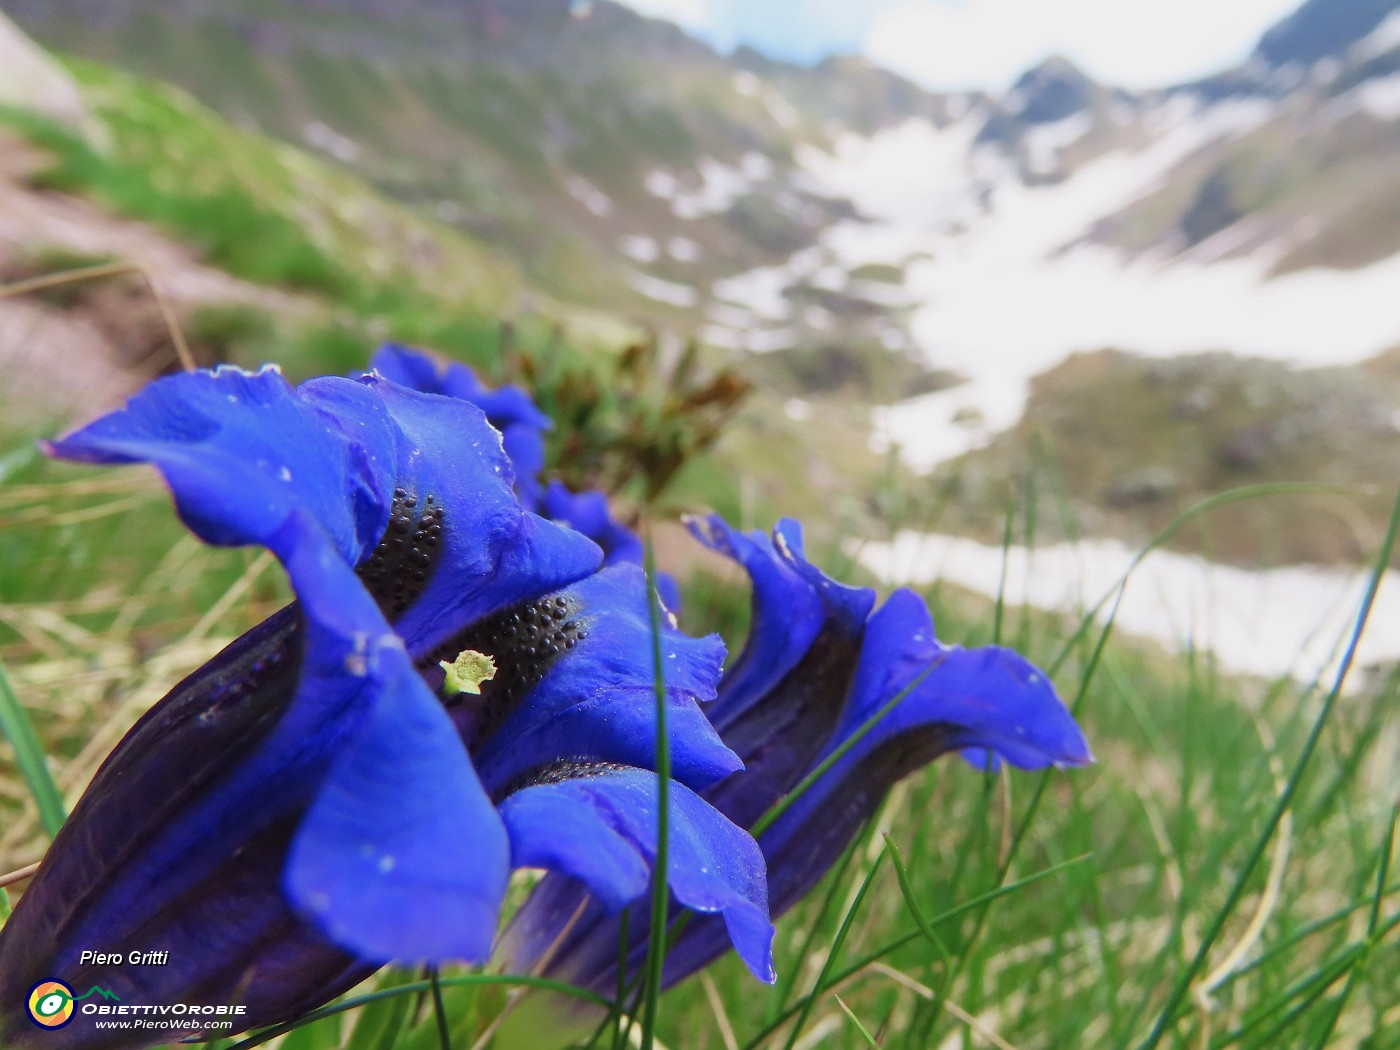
(541, 152)
(619, 162)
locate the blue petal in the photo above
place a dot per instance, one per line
(597, 700)
(509, 408)
(401, 855)
(780, 702)
(989, 698)
(360, 756)
(504, 406)
(251, 461)
(588, 513)
(493, 554)
(601, 829)
(793, 602)
(156, 854)
(953, 699)
(407, 367)
(241, 451)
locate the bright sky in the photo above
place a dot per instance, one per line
(987, 43)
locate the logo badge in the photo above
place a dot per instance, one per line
(51, 1004)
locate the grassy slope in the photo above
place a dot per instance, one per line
(265, 212)
(272, 214)
(495, 114)
(1131, 441)
(1190, 766)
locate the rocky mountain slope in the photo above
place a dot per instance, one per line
(1115, 444)
(618, 162)
(857, 233)
(605, 154)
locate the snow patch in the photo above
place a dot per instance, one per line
(783, 112)
(683, 249)
(589, 195)
(797, 410)
(754, 340)
(1385, 37)
(329, 141)
(682, 295)
(1045, 142)
(756, 167)
(639, 248)
(720, 186)
(1288, 621)
(662, 184)
(1380, 98)
(1005, 289)
(747, 84)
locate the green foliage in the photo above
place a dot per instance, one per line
(1068, 906)
(261, 211)
(229, 227)
(633, 421)
(29, 758)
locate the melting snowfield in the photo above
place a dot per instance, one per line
(1002, 283)
(1290, 621)
(1002, 286)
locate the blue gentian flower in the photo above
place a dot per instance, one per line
(509, 409)
(589, 513)
(817, 666)
(312, 803)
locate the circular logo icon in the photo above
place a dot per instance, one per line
(51, 1004)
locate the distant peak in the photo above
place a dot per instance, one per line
(1322, 29)
(1052, 90)
(1055, 67)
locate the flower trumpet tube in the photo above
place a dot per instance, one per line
(829, 683)
(351, 782)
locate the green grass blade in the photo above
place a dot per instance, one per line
(29, 757)
(1312, 988)
(660, 897)
(379, 1024)
(439, 1010)
(1373, 921)
(1307, 989)
(850, 1015)
(838, 879)
(417, 988)
(836, 944)
(624, 945)
(1007, 536)
(1285, 799)
(1302, 933)
(970, 905)
(907, 889)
